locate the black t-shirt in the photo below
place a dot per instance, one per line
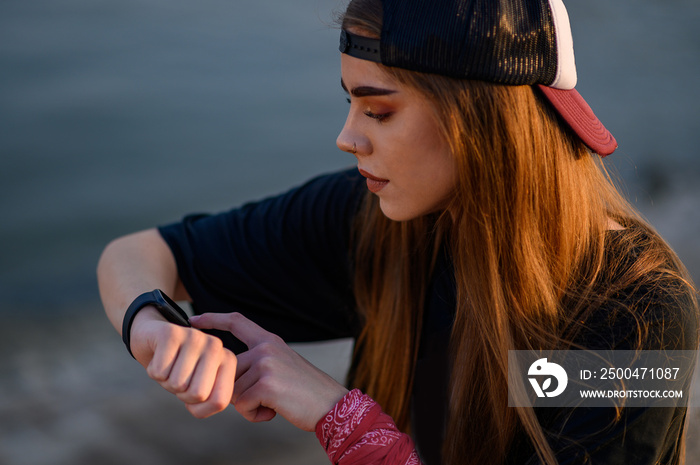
(286, 263)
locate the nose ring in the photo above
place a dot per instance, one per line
(354, 148)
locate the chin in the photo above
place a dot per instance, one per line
(399, 213)
(404, 212)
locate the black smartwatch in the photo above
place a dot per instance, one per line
(164, 304)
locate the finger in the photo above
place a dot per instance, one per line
(263, 361)
(244, 329)
(221, 392)
(243, 382)
(244, 361)
(164, 358)
(183, 369)
(260, 414)
(251, 406)
(204, 373)
(264, 414)
(246, 398)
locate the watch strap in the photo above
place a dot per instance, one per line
(161, 302)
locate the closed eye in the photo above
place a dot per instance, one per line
(380, 117)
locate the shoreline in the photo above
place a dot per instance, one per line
(71, 394)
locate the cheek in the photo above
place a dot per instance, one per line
(442, 180)
(426, 190)
(426, 172)
(437, 170)
(440, 186)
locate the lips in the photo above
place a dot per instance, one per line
(374, 184)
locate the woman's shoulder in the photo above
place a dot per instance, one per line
(644, 298)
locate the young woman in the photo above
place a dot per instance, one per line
(479, 220)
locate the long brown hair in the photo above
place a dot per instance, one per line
(526, 234)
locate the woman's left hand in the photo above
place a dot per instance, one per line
(272, 378)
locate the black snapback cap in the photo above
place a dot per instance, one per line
(510, 42)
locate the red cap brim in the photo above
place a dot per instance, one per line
(579, 116)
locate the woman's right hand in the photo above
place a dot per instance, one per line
(187, 362)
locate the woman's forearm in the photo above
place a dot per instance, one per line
(186, 362)
(132, 265)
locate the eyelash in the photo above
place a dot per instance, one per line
(378, 117)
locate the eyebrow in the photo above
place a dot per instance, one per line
(366, 91)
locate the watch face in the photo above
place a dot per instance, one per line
(170, 310)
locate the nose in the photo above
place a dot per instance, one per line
(345, 143)
(352, 140)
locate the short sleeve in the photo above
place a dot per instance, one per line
(284, 261)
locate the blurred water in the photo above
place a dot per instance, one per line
(116, 116)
